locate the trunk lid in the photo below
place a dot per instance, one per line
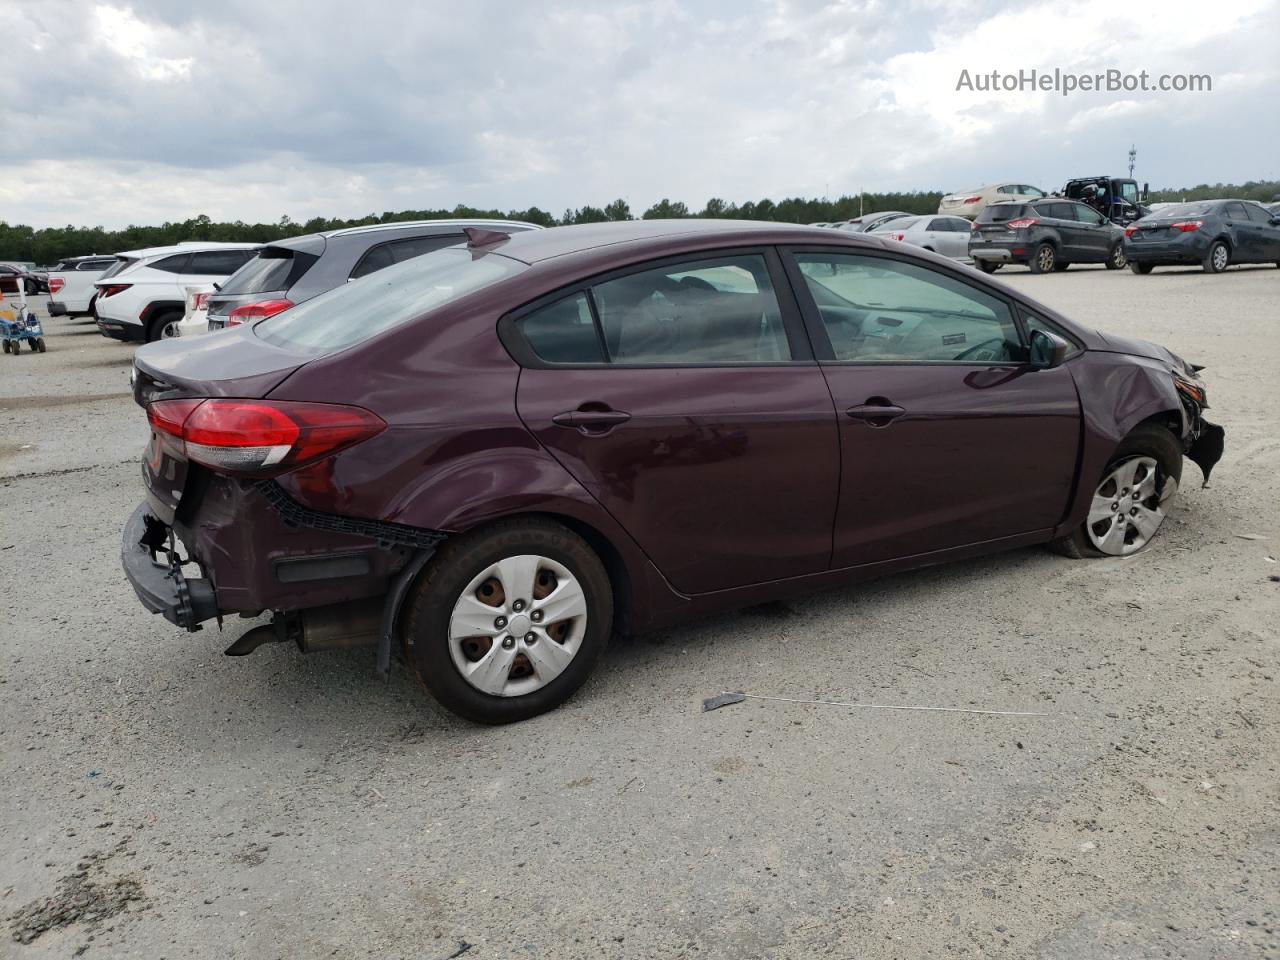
(232, 364)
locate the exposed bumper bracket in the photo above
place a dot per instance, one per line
(149, 555)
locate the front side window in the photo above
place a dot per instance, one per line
(877, 310)
(1129, 191)
(720, 310)
(1257, 214)
(1030, 191)
(1087, 214)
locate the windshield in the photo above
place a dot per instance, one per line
(117, 267)
(273, 269)
(363, 308)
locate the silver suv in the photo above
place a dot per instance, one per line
(290, 271)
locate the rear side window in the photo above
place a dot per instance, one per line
(120, 264)
(1001, 212)
(705, 311)
(273, 270)
(1235, 211)
(410, 247)
(217, 263)
(174, 264)
(564, 332)
(355, 312)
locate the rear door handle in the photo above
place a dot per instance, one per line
(590, 420)
(877, 414)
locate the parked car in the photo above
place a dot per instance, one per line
(970, 203)
(12, 274)
(870, 221)
(1211, 233)
(1274, 209)
(295, 270)
(1046, 235)
(494, 456)
(1116, 198)
(948, 236)
(71, 282)
(195, 317)
(141, 297)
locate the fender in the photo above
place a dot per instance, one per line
(1145, 389)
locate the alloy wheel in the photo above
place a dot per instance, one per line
(1220, 257)
(1045, 257)
(1128, 506)
(517, 625)
(169, 330)
(1118, 260)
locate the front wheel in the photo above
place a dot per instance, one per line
(1129, 503)
(508, 622)
(38, 344)
(1117, 260)
(1217, 259)
(1045, 259)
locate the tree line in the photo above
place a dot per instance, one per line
(49, 244)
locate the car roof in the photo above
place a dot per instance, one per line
(403, 224)
(187, 246)
(536, 246)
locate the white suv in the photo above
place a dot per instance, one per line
(71, 289)
(143, 296)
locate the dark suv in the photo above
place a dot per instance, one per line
(1046, 235)
(291, 271)
(492, 457)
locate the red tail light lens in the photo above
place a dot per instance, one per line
(199, 301)
(1023, 223)
(1188, 226)
(1129, 231)
(261, 437)
(968, 200)
(56, 284)
(257, 311)
(111, 289)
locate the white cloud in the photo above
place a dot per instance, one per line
(163, 109)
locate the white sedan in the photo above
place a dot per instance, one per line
(948, 236)
(195, 319)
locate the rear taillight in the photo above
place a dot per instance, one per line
(199, 301)
(56, 284)
(968, 200)
(111, 289)
(257, 311)
(899, 236)
(261, 437)
(1022, 224)
(1129, 231)
(1188, 226)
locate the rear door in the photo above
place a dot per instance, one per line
(948, 437)
(683, 396)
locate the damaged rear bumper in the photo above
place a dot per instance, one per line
(148, 553)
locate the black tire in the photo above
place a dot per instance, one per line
(1044, 259)
(15, 346)
(93, 307)
(1116, 260)
(1141, 268)
(159, 322)
(1217, 259)
(6, 346)
(1061, 265)
(38, 343)
(1146, 440)
(987, 266)
(431, 601)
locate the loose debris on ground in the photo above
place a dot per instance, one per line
(79, 899)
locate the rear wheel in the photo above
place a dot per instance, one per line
(508, 622)
(1217, 259)
(1142, 268)
(1129, 503)
(164, 326)
(1117, 260)
(1045, 259)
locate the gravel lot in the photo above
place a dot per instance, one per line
(173, 802)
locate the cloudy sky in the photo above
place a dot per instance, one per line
(120, 113)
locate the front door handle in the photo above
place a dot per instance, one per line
(590, 420)
(877, 411)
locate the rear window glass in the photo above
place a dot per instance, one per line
(364, 308)
(1186, 210)
(1000, 212)
(274, 270)
(118, 266)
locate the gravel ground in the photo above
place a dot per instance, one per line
(161, 800)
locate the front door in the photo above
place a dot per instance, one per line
(683, 397)
(1095, 234)
(947, 437)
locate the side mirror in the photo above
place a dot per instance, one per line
(1047, 350)
(1145, 190)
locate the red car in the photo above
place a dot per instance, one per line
(492, 457)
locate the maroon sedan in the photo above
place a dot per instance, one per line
(492, 457)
